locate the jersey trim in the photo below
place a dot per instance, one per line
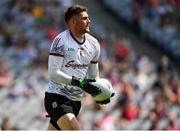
(94, 62)
(76, 39)
(56, 54)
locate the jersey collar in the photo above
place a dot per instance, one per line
(80, 43)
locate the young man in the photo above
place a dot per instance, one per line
(73, 65)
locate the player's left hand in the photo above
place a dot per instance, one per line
(105, 101)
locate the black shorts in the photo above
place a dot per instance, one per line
(57, 105)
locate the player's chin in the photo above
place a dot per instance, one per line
(87, 30)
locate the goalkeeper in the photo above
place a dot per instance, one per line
(73, 57)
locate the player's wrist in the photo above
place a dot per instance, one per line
(77, 82)
(86, 85)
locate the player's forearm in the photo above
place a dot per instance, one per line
(54, 71)
(59, 77)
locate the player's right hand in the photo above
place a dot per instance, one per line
(86, 85)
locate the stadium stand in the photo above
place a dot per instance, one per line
(147, 91)
(157, 20)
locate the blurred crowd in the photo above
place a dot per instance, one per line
(27, 28)
(156, 20)
(147, 93)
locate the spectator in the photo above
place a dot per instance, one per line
(6, 125)
(163, 69)
(5, 78)
(174, 89)
(154, 120)
(107, 122)
(172, 125)
(122, 53)
(130, 111)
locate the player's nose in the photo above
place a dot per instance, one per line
(88, 20)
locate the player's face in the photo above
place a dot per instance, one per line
(82, 22)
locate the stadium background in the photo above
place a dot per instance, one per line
(140, 50)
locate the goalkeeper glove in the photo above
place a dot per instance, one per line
(86, 85)
(105, 101)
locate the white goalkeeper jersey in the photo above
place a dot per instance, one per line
(72, 58)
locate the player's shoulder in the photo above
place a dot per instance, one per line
(62, 34)
(91, 38)
(93, 41)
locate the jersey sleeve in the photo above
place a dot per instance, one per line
(93, 69)
(97, 53)
(56, 58)
(54, 70)
(57, 47)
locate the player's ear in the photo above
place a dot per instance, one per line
(71, 20)
(74, 19)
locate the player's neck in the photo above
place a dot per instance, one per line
(78, 36)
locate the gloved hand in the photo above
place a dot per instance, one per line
(86, 85)
(105, 101)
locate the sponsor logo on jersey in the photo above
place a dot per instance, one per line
(74, 65)
(71, 49)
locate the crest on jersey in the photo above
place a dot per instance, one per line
(54, 104)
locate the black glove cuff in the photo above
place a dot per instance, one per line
(103, 102)
(75, 81)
